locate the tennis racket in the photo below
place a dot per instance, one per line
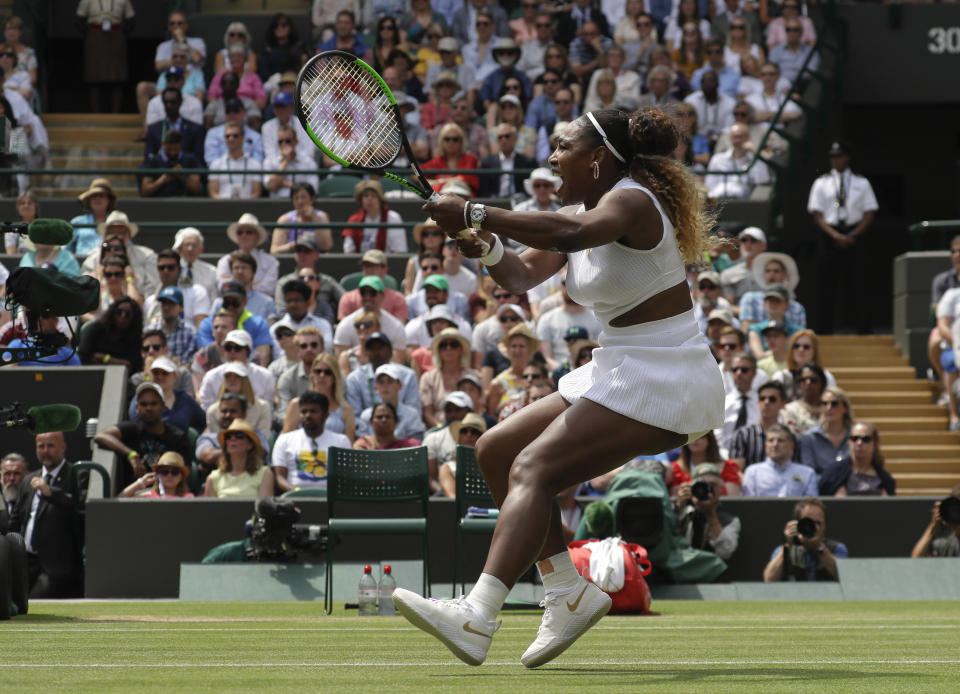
(352, 116)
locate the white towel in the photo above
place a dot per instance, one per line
(606, 564)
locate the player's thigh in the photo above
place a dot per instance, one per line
(585, 441)
(497, 448)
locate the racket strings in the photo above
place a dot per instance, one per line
(348, 111)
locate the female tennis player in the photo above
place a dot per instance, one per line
(652, 385)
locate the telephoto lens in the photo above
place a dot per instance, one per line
(807, 528)
(950, 510)
(700, 490)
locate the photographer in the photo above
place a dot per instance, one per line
(700, 521)
(942, 536)
(806, 555)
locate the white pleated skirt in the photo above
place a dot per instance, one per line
(660, 373)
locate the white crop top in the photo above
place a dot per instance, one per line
(613, 278)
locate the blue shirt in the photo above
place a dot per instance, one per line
(185, 413)
(490, 89)
(360, 393)
(728, 80)
(64, 262)
(191, 84)
(359, 47)
(258, 304)
(215, 146)
(818, 452)
(790, 62)
(769, 479)
(752, 310)
(758, 328)
(582, 53)
(258, 328)
(812, 558)
(85, 237)
(409, 424)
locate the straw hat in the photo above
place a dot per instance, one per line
(540, 174)
(450, 334)
(418, 230)
(523, 330)
(789, 264)
(364, 186)
(247, 220)
(471, 421)
(98, 185)
(243, 426)
(172, 459)
(445, 77)
(116, 219)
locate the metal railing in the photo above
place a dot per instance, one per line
(942, 228)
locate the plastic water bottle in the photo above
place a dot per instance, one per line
(385, 592)
(367, 594)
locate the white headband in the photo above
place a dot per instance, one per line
(603, 135)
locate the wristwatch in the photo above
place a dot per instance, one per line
(478, 215)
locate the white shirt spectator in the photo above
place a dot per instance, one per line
(396, 236)
(265, 279)
(440, 445)
(165, 50)
(857, 193)
(268, 132)
(554, 323)
(239, 176)
(346, 333)
(481, 68)
(712, 118)
(729, 386)
(195, 302)
(260, 378)
(736, 186)
(766, 102)
(298, 164)
(309, 320)
(731, 410)
(769, 479)
(191, 109)
(305, 458)
(416, 330)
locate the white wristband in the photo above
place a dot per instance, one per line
(466, 214)
(495, 254)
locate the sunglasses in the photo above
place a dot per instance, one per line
(808, 379)
(543, 184)
(748, 239)
(800, 345)
(232, 136)
(483, 24)
(426, 233)
(449, 344)
(513, 87)
(308, 278)
(551, 80)
(501, 297)
(741, 114)
(530, 376)
(8, 54)
(230, 347)
(167, 268)
(769, 398)
(151, 348)
(231, 303)
(472, 432)
(728, 346)
(234, 34)
(308, 345)
(706, 286)
(430, 270)
(368, 292)
(451, 139)
(112, 275)
(323, 372)
(742, 369)
(504, 136)
(563, 101)
(861, 439)
(167, 471)
(282, 335)
(830, 404)
(645, 23)
(285, 141)
(547, 25)
(364, 324)
(246, 232)
(509, 319)
(112, 247)
(794, 30)
(175, 23)
(738, 26)
(233, 435)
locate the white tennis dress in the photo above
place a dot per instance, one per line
(662, 372)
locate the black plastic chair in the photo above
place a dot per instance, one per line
(472, 490)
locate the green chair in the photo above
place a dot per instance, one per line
(100, 470)
(472, 490)
(351, 281)
(357, 477)
(337, 187)
(313, 492)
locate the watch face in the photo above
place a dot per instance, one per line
(477, 213)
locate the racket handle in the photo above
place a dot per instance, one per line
(473, 236)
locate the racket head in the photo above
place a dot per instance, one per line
(349, 111)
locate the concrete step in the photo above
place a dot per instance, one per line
(857, 373)
(855, 340)
(869, 385)
(907, 412)
(928, 480)
(254, 6)
(887, 419)
(937, 436)
(121, 191)
(832, 362)
(92, 136)
(888, 397)
(923, 465)
(920, 451)
(110, 161)
(923, 491)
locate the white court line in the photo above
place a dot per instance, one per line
(447, 663)
(651, 627)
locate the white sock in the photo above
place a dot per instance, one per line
(488, 595)
(558, 572)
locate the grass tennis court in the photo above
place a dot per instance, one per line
(691, 646)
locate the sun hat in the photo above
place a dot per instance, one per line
(182, 235)
(117, 219)
(541, 173)
(172, 459)
(523, 330)
(247, 220)
(98, 185)
(471, 421)
(419, 229)
(363, 186)
(374, 256)
(792, 278)
(241, 425)
(451, 334)
(164, 364)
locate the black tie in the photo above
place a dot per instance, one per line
(742, 414)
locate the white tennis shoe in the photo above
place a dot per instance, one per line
(566, 617)
(457, 624)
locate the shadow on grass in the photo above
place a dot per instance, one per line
(729, 674)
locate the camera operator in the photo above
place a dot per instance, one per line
(699, 518)
(942, 536)
(806, 555)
